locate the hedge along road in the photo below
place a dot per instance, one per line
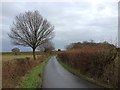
(55, 76)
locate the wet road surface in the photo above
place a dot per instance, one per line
(55, 76)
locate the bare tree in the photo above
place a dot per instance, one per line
(47, 46)
(31, 29)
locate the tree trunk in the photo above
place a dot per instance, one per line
(34, 54)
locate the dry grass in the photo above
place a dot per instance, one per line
(13, 57)
(13, 71)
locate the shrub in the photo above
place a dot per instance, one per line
(92, 60)
(15, 50)
(14, 70)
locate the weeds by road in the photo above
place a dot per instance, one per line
(14, 70)
(34, 78)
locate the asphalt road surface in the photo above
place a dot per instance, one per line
(55, 76)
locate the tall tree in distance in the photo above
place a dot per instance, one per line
(47, 46)
(31, 29)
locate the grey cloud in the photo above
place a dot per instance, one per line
(73, 21)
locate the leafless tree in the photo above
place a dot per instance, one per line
(31, 29)
(47, 46)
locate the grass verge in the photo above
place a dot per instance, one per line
(77, 73)
(34, 78)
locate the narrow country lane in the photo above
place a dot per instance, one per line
(55, 76)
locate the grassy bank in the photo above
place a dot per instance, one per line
(15, 71)
(80, 75)
(34, 78)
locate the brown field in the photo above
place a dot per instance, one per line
(13, 57)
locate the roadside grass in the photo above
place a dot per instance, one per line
(15, 71)
(34, 78)
(77, 73)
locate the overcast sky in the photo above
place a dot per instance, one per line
(77, 20)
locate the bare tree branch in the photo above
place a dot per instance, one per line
(31, 29)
